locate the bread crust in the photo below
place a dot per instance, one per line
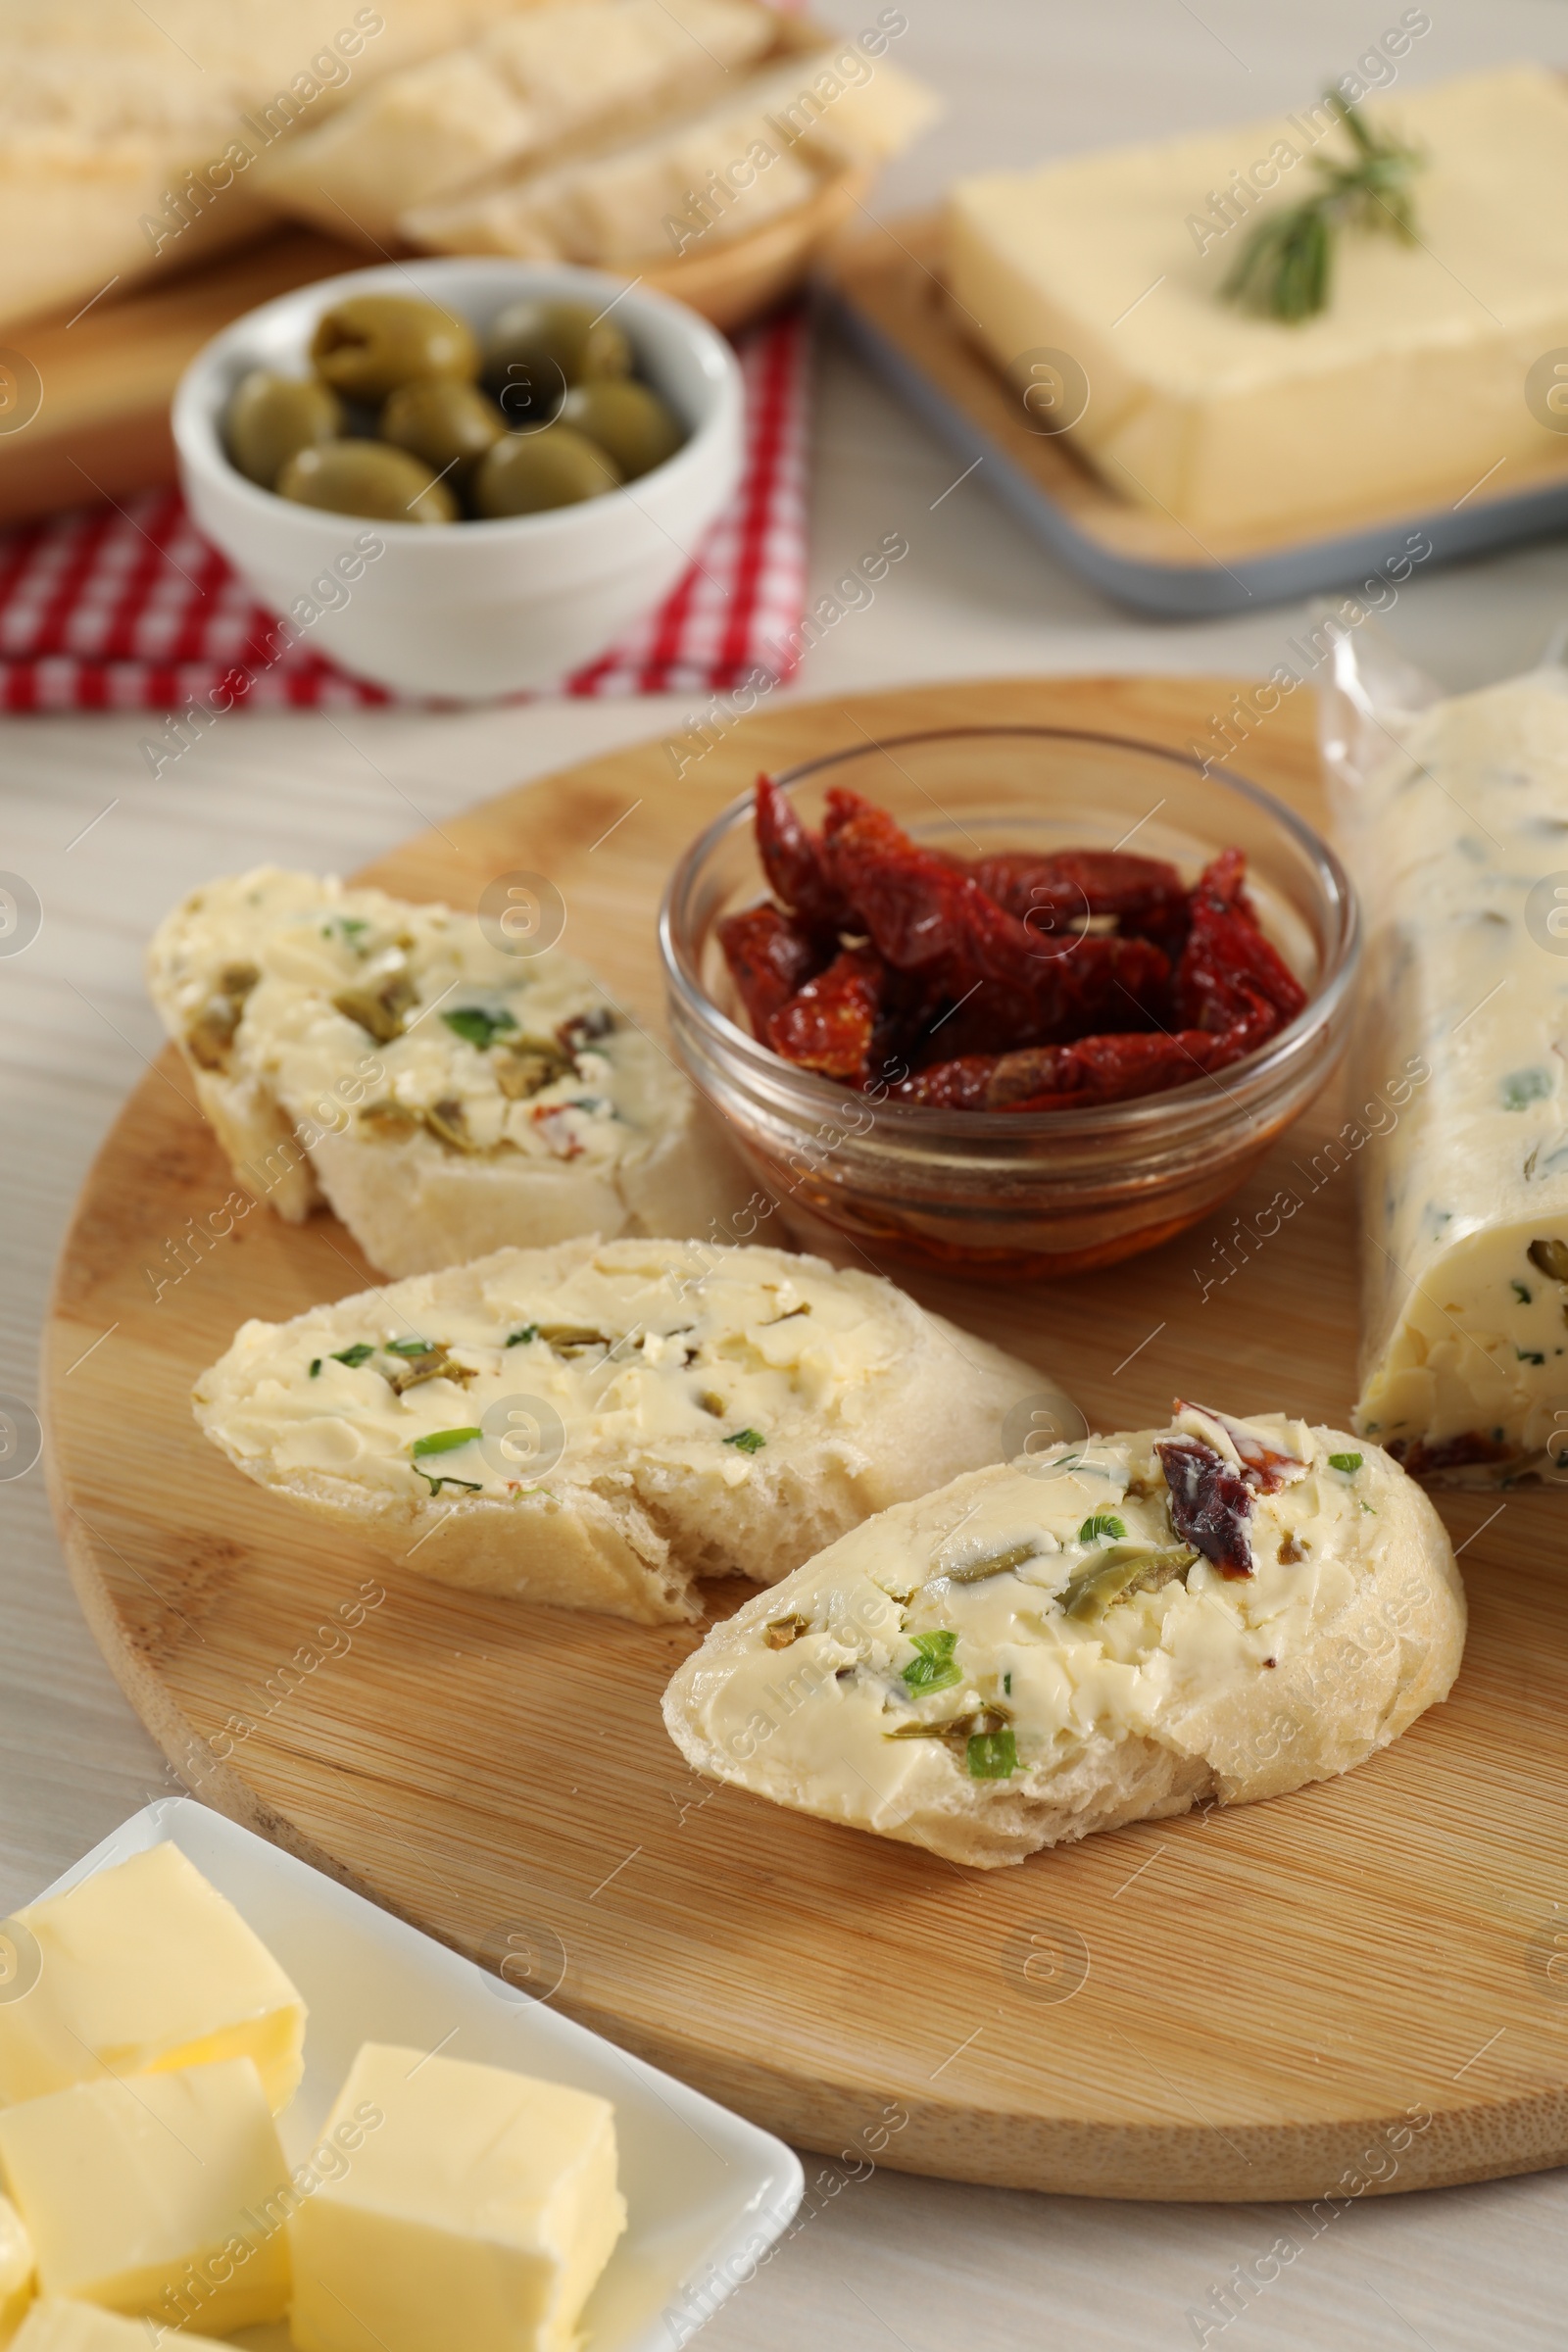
(415, 1208)
(1376, 1654)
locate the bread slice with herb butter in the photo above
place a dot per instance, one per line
(600, 1424)
(1108, 1633)
(446, 1093)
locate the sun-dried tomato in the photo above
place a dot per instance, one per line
(925, 914)
(1056, 895)
(1227, 965)
(1210, 1504)
(1115, 1068)
(1264, 1467)
(770, 957)
(1015, 981)
(791, 859)
(829, 1025)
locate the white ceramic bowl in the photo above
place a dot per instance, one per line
(706, 2192)
(468, 609)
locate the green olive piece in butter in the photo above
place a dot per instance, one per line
(525, 473)
(369, 344)
(638, 428)
(272, 418)
(367, 477)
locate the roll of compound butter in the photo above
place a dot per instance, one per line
(1457, 829)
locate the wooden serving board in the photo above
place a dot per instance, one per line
(1248, 2004)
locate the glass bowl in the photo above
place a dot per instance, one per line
(1013, 1192)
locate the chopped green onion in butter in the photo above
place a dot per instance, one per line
(991, 1755)
(935, 1667)
(479, 1027)
(443, 1440)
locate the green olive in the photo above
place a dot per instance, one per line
(537, 350)
(638, 428)
(370, 343)
(271, 417)
(525, 472)
(367, 477)
(449, 426)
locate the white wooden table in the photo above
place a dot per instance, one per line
(885, 2261)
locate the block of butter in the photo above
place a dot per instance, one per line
(1408, 387)
(16, 2270)
(56, 2325)
(165, 2195)
(145, 1966)
(476, 2216)
(1456, 836)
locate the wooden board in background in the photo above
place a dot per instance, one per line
(1257, 1997)
(109, 374)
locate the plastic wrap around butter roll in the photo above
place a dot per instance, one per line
(1455, 816)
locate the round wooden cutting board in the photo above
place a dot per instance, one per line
(1353, 1989)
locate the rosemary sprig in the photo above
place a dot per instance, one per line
(1285, 268)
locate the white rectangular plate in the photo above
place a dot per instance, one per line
(706, 2194)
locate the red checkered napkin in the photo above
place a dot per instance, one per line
(130, 608)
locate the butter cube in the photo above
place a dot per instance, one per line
(475, 2216)
(166, 2194)
(56, 2326)
(142, 1967)
(16, 2271)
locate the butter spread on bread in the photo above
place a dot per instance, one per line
(600, 1424)
(1108, 1633)
(445, 1093)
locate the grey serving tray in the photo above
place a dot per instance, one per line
(884, 295)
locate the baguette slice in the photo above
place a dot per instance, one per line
(1049, 1648)
(432, 1146)
(533, 83)
(760, 152)
(637, 1414)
